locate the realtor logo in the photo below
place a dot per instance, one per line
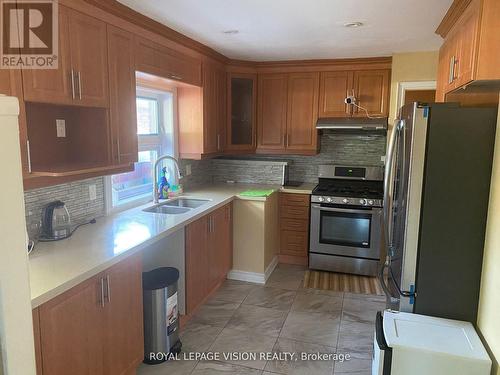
(29, 34)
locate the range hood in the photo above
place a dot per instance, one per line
(353, 124)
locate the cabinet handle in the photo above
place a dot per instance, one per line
(102, 292)
(118, 150)
(28, 154)
(218, 142)
(173, 76)
(452, 70)
(286, 140)
(79, 85)
(108, 289)
(73, 84)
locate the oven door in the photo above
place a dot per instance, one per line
(352, 232)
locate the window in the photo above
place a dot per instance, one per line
(156, 137)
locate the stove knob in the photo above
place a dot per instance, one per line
(370, 202)
(321, 199)
(345, 200)
(329, 200)
(363, 202)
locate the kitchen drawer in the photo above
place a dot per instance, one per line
(295, 199)
(294, 224)
(294, 212)
(294, 243)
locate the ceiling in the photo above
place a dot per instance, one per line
(293, 29)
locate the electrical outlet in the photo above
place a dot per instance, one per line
(92, 192)
(188, 169)
(61, 128)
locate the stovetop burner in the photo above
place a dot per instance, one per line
(348, 188)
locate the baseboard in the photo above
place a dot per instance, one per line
(250, 277)
(270, 268)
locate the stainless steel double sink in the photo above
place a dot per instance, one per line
(176, 206)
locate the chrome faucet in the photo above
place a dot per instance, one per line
(156, 194)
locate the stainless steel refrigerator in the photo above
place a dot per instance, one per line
(437, 183)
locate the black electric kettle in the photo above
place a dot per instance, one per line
(56, 222)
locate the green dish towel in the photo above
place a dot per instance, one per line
(257, 193)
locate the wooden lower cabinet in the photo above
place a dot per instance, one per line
(196, 263)
(294, 228)
(208, 255)
(220, 245)
(123, 339)
(96, 327)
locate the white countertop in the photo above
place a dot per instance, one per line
(305, 188)
(55, 267)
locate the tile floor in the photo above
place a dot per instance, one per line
(278, 317)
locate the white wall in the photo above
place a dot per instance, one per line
(489, 301)
(16, 324)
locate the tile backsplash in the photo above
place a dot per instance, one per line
(247, 171)
(74, 194)
(336, 148)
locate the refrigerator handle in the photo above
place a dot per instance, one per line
(388, 170)
(390, 298)
(386, 222)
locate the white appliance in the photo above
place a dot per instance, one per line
(412, 344)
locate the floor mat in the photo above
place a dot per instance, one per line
(342, 282)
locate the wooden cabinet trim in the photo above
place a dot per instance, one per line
(451, 17)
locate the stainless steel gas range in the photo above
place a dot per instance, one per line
(346, 220)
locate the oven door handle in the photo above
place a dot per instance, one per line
(346, 210)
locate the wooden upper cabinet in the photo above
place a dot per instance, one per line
(82, 74)
(272, 111)
(241, 112)
(466, 40)
(210, 126)
(5, 82)
(371, 88)
(164, 62)
(302, 112)
(122, 96)
(214, 107)
(334, 87)
(53, 85)
(88, 42)
(221, 105)
(470, 53)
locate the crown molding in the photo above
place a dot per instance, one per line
(451, 17)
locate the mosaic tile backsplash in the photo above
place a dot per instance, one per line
(74, 194)
(336, 148)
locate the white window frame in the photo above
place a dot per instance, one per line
(144, 145)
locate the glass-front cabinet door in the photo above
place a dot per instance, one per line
(242, 112)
